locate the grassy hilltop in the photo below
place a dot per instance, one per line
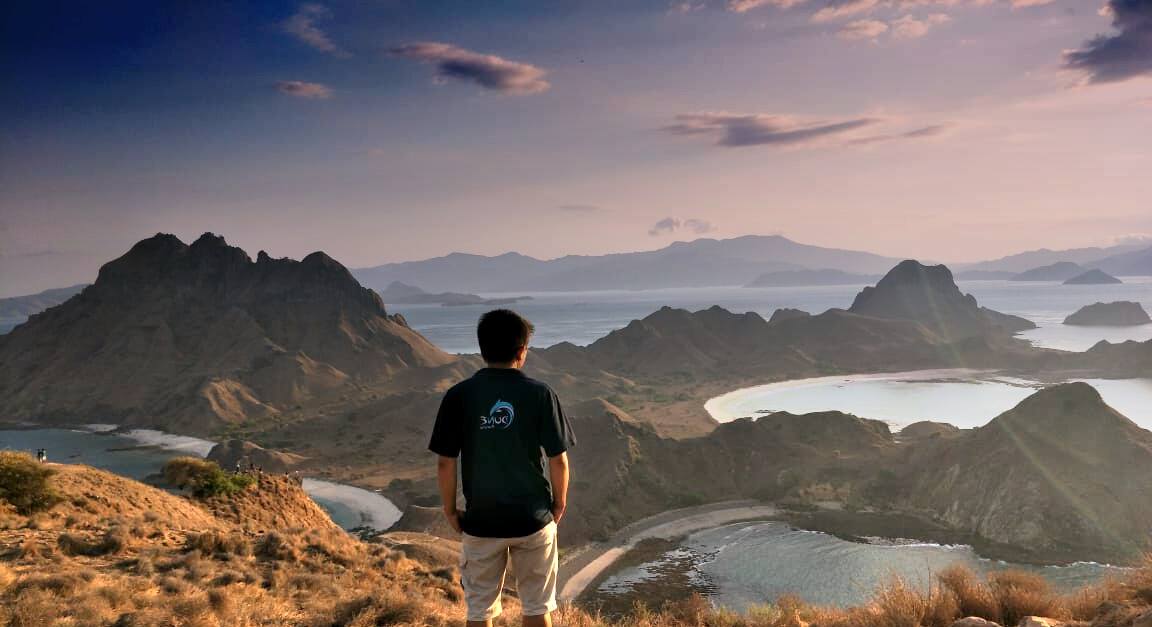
(100, 549)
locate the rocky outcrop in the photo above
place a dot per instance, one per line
(242, 454)
(1093, 277)
(785, 313)
(1118, 314)
(191, 337)
(1059, 271)
(929, 296)
(1061, 475)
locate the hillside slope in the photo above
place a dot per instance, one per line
(193, 337)
(1062, 474)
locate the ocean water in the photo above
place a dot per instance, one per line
(584, 317)
(755, 563)
(965, 398)
(140, 454)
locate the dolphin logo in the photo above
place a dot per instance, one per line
(499, 417)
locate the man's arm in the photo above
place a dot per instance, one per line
(558, 473)
(446, 477)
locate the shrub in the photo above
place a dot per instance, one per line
(24, 483)
(203, 478)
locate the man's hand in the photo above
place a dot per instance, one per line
(453, 518)
(558, 508)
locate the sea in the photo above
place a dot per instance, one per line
(748, 564)
(584, 317)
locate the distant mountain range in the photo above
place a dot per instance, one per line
(702, 262)
(15, 310)
(754, 259)
(1123, 259)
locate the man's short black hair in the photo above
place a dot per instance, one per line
(502, 333)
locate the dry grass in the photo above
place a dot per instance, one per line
(133, 570)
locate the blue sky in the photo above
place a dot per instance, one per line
(380, 130)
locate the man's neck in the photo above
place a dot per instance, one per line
(504, 366)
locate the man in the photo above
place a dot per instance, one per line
(497, 423)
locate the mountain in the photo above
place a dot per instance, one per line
(702, 262)
(1131, 263)
(912, 318)
(1120, 313)
(1093, 277)
(193, 337)
(16, 309)
(1024, 261)
(1061, 474)
(1059, 271)
(929, 295)
(793, 278)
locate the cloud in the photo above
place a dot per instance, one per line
(302, 26)
(1123, 55)
(487, 70)
(844, 8)
(302, 89)
(909, 27)
(862, 29)
(743, 6)
(733, 130)
(1021, 4)
(934, 130)
(671, 225)
(580, 208)
(667, 225)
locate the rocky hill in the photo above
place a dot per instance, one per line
(194, 337)
(1120, 313)
(928, 295)
(1062, 475)
(1059, 271)
(1093, 277)
(914, 317)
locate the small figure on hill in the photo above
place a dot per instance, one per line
(497, 422)
(42, 455)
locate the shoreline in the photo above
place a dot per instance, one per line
(592, 562)
(718, 407)
(374, 509)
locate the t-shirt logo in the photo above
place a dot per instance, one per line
(499, 417)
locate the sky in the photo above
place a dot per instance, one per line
(387, 130)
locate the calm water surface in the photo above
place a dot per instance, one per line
(965, 398)
(583, 317)
(756, 563)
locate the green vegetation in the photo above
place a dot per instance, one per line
(205, 479)
(24, 483)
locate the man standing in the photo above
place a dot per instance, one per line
(497, 423)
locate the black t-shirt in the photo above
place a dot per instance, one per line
(497, 422)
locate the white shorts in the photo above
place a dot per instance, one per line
(484, 561)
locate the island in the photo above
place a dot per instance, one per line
(398, 293)
(1059, 271)
(1093, 277)
(1122, 313)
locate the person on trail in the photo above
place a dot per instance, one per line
(493, 427)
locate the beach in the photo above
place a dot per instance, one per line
(578, 572)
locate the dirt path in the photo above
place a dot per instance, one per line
(580, 570)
